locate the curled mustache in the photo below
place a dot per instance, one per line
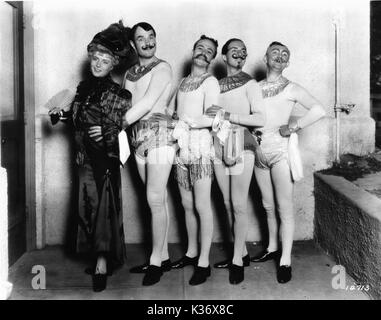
(148, 46)
(239, 55)
(202, 56)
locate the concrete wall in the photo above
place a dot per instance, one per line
(63, 30)
(348, 226)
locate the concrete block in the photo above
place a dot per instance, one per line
(348, 226)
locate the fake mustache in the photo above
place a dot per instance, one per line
(148, 46)
(239, 56)
(280, 60)
(202, 56)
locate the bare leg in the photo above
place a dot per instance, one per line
(157, 178)
(263, 177)
(284, 186)
(240, 184)
(190, 221)
(202, 188)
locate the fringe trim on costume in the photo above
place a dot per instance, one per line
(271, 89)
(187, 175)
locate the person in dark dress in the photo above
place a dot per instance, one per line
(96, 115)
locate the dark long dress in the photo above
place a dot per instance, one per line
(100, 101)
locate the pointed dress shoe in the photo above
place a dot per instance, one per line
(200, 275)
(184, 261)
(284, 274)
(226, 263)
(152, 275)
(165, 265)
(265, 256)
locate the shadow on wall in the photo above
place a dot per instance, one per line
(65, 130)
(218, 69)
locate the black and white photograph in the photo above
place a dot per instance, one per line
(199, 153)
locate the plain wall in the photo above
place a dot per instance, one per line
(62, 31)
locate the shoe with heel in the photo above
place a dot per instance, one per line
(200, 275)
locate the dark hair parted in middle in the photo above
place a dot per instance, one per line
(204, 37)
(224, 49)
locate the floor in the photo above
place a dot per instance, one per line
(65, 278)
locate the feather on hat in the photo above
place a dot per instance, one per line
(115, 38)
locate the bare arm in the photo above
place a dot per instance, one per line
(315, 108)
(257, 116)
(211, 94)
(161, 77)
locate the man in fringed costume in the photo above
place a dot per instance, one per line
(193, 167)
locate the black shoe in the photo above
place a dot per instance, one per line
(184, 261)
(236, 274)
(284, 274)
(226, 263)
(200, 275)
(152, 275)
(99, 282)
(265, 256)
(165, 265)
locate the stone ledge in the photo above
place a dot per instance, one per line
(347, 225)
(365, 201)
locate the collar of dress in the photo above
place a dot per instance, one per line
(193, 83)
(134, 73)
(234, 82)
(271, 89)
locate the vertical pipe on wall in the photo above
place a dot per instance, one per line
(337, 87)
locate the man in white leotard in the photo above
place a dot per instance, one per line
(272, 170)
(241, 99)
(150, 82)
